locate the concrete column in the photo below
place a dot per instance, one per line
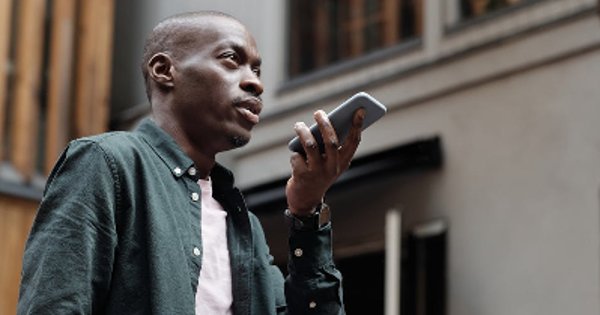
(452, 10)
(432, 28)
(393, 237)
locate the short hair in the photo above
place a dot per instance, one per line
(166, 37)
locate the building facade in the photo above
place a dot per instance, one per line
(492, 128)
(491, 140)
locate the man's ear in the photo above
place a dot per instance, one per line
(160, 70)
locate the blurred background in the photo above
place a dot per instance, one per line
(477, 193)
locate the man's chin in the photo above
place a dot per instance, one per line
(238, 141)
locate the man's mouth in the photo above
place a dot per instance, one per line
(250, 108)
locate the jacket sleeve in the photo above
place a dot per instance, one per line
(69, 253)
(314, 285)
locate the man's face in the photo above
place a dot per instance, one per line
(216, 85)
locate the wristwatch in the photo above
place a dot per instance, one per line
(312, 222)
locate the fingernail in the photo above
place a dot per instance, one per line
(297, 125)
(361, 115)
(320, 115)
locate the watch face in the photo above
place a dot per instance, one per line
(324, 215)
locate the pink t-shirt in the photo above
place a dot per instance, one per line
(214, 294)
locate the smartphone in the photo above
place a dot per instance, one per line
(341, 120)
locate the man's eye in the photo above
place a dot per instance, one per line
(233, 57)
(256, 72)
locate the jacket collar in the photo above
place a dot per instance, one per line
(165, 147)
(175, 159)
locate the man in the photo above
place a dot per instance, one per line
(146, 222)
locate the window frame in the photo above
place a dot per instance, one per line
(343, 66)
(463, 24)
(322, 65)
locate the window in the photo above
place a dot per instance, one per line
(476, 8)
(363, 281)
(56, 85)
(323, 32)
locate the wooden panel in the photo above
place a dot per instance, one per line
(357, 23)
(478, 7)
(60, 79)
(26, 108)
(86, 69)
(93, 67)
(322, 33)
(295, 39)
(104, 24)
(16, 217)
(5, 19)
(418, 17)
(391, 22)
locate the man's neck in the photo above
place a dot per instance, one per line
(203, 161)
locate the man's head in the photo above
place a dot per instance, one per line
(202, 78)
(164, 38)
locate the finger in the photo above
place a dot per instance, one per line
(351, 144)
(308, 143)
(298, 164)
(330, 140)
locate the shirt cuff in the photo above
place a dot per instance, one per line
(310, 250)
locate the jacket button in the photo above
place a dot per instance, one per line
(196, 251)
(195, 196)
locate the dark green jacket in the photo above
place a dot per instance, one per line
(118, 232)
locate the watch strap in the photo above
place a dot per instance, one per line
(313, 222)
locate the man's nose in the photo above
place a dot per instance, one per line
(251, 83)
